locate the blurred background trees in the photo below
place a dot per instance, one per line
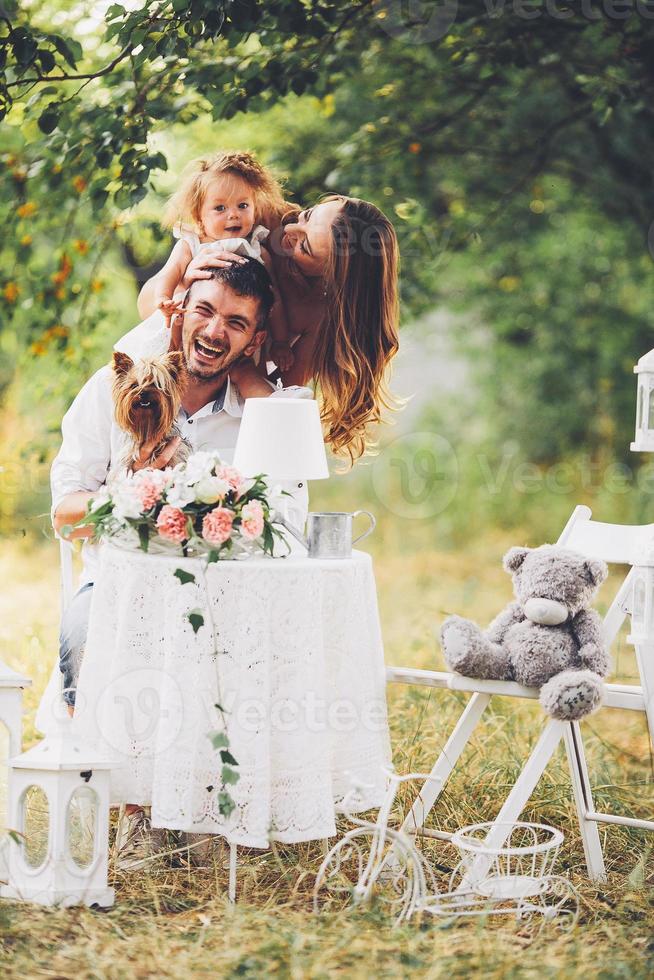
(510, 143)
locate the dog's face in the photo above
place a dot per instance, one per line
(148, 394)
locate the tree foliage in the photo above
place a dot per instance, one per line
(477, 125)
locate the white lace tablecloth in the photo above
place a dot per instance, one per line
(297, 663)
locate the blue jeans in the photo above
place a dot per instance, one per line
(72, 639)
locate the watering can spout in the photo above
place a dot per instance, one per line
(280, 519)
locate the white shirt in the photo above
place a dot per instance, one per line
(92, 442)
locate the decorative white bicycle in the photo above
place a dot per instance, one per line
(502, 870)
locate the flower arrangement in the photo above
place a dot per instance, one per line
(200, 507)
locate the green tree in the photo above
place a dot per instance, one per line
(478, 126)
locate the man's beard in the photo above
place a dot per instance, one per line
(205, 373)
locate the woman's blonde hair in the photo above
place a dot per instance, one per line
(359, 333)
(186, 203)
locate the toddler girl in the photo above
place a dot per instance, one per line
(217, 209)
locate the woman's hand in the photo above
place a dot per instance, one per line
(248, 379)
(283, 356)
(202, 261)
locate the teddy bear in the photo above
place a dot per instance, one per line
(547, 638)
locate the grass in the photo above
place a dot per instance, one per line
(176, 923)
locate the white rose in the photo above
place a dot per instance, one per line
(210, 489)
(127, 502)
(199, 465)
(101, 498)
(179, 494)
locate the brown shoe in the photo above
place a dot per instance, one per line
(200, 848)
(137, 841)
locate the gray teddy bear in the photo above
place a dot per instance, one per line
(547, 638)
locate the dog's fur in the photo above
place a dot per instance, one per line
(147, 399)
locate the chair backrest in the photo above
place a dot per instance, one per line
(617, 543)
(613, 543)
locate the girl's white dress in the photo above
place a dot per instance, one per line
(151, 336)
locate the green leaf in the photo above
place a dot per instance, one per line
(144, 536)
(213, 556)
(196, 619)
(69, 49)
(115, 10)
(227, 757)
(638, 877)
(219, 740)
(47, 121)
(157, 161)
(229, 776)
(25, 48)
(183, 576)
(47, 59)
(137, 194)
(122, 198)
(226, 804)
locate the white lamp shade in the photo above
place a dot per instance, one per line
(282, 438)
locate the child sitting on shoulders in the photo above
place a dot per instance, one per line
(218, 208)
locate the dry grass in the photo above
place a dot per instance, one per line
(176, 923)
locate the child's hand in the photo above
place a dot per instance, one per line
(282, 355)
(168, 307)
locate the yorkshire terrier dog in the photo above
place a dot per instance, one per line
(147, 399)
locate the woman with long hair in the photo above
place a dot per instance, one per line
(335, 267)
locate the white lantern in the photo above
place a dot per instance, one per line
(59, 805)
(642, 598)
(11, 730)
(644, 438)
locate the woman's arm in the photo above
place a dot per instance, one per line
(280, 352)
(163, 284)
(301, 371)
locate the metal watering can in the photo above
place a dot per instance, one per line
(329, 533)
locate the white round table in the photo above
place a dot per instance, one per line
(291, 648)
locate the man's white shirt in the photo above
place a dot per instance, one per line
(92, 443)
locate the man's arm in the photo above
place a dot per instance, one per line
(70, 510)
(81, 465)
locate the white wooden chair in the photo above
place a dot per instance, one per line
(613, 543)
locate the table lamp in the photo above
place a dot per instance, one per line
(282, 438)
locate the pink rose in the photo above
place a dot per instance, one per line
(171, 524)
(232, 476)
(217, 525)
(252, 520)
(149, 492)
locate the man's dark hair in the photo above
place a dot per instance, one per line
(246, 279)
